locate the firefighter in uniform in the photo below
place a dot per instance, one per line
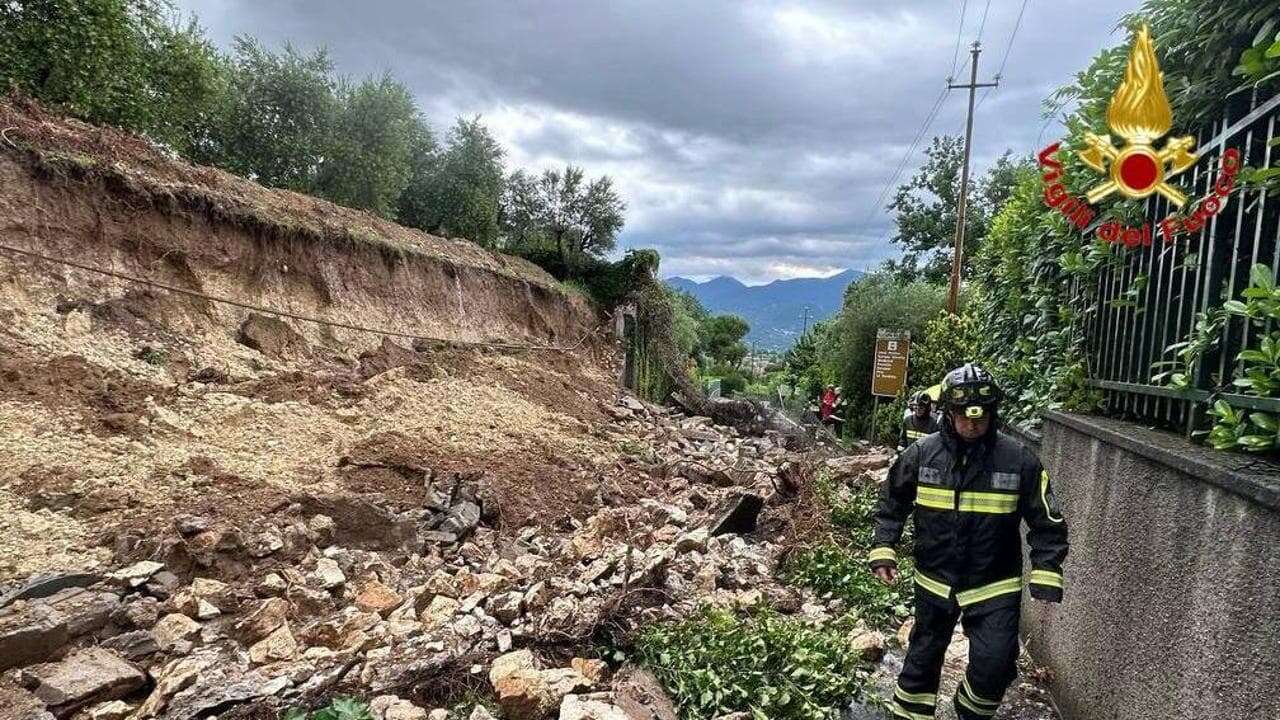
(970, 487)
(919, 422)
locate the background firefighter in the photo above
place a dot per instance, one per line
(969, 487)
(918, 422)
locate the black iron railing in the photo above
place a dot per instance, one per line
(1153, 296)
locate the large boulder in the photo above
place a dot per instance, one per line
(738, 514)
(269, 615)
(30, 632)
(376, 597)
(392, 707)
(280, 645)
(641, 696)
(92, 675)
(174, 629)
(520, 687)
(270, 336)
(585, 707)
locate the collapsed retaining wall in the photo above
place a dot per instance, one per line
(1172, 607)
(110, 200)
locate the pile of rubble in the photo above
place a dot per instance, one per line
(393, 605)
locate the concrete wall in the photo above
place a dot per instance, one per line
(1172, 607)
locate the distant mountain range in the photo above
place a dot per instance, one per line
(774, 311)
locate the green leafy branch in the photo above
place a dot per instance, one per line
(1257, 371)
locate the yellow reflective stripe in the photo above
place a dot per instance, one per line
(986, 592)
(935, 498)
(1009, 499)
(916, 434)
(975, 696)
(902, 712)
(882, 553)
(1044, 489)
(940, 589)
(1046, 577)
(987, 502)
(977, 502)
(918, 698)
(973, 708)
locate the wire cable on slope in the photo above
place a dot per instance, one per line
(285, 313)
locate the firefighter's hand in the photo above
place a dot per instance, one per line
(887, 574)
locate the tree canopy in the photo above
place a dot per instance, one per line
(926, 205)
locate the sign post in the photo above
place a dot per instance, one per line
(889, 370)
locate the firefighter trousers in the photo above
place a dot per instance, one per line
(993, 659)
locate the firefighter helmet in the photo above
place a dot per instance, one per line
(971, 389)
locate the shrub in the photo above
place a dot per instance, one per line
(754, 661)
(838, 571)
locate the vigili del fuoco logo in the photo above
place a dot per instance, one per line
(1140, 115)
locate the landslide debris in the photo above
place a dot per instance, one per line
(400, 600)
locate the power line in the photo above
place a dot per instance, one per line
(928, 121)
(906, 157)
(1016, 25)
(1008, 48)
(983, 25)
(284, 313)
(955, 57)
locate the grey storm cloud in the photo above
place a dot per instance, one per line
(749, 137)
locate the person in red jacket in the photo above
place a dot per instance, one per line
(827, 405)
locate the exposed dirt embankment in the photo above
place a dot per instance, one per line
(110, 200)
(123, 404)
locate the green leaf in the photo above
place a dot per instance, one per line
(1264, 421)
(294, 713)
(1235, 307)
(1260, 275)
(1257, 443)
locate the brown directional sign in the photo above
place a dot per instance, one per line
(889, 374)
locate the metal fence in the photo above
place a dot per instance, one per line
(1152, 297)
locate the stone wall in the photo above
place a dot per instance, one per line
(1172, 607)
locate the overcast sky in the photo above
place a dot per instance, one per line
(749, 137)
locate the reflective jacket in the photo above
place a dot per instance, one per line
(969, 504)
(914, 428)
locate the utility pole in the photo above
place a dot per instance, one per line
(957, 256)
